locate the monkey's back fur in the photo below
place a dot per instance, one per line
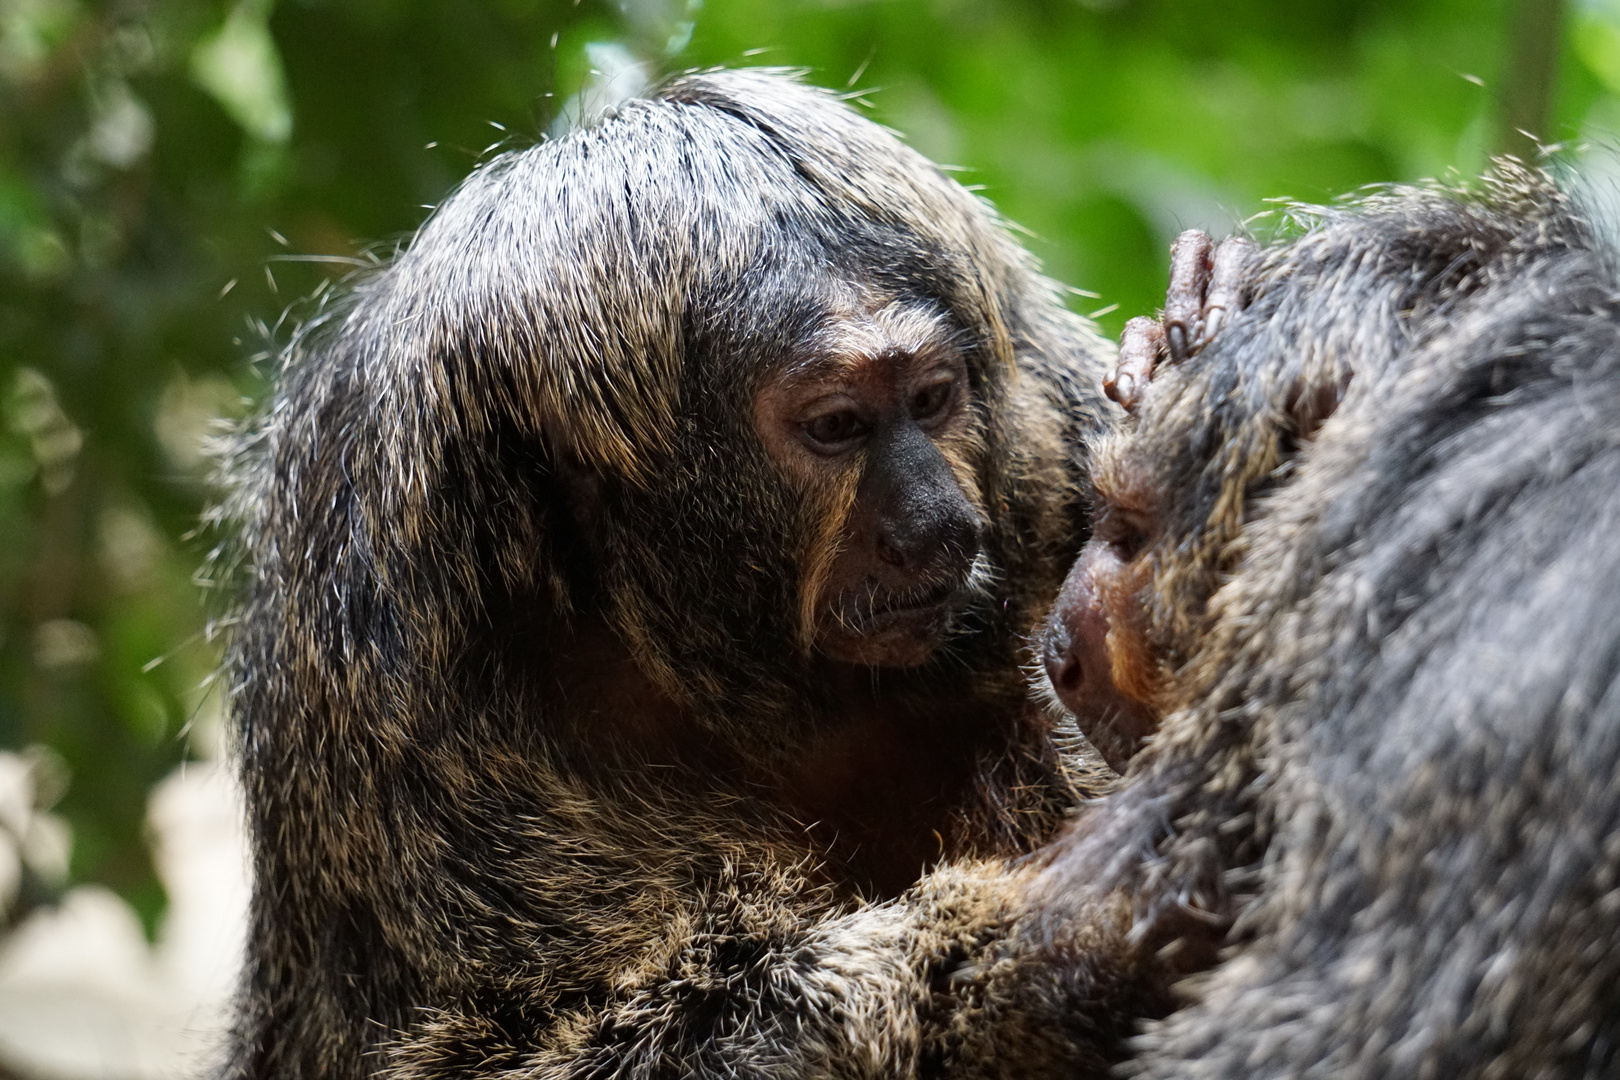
(515, 675)
(1401, 736)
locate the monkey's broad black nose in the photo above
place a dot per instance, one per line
(925, 521)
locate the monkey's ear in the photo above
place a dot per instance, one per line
(1311, 401)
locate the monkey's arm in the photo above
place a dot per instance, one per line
(1060, 990)
(945, 982)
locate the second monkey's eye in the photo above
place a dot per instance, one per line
(1121, 530)
(834, 431)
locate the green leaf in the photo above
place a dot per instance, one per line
(240, 67)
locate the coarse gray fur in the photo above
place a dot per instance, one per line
(516, 675)
(1398, 758)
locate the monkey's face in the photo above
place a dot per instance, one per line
(1098, 647)
(873, 422)
(1209, 431)
(1133, 608)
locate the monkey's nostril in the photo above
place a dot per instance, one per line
(890, 551)
(936, 545)
(1062, 666)
(1065, 674)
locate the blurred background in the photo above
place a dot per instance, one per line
(179, 177)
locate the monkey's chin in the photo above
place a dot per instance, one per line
(1114, 724)
(903, 637)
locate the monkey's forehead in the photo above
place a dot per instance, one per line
(874, 325)
(1123, 472)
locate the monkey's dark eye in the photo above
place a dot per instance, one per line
(932, 401)
(833, 431)
(1122, 531)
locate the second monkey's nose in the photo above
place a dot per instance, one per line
(1062, 665)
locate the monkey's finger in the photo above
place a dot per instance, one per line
(1228, 284)
(1190, 268)
(1140, 347)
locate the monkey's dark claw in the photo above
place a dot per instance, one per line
(1140, 347)
(1176, 336)
(1190, 268)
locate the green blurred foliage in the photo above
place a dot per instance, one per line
(175, 175)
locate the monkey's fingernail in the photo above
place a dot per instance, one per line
(1176, 334)
(1125, 391)
(1212, 323)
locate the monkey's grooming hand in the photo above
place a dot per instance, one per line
(1208, 285)
(1169, 919)
(1098, 937)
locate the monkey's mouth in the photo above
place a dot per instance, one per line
(909, 609)
(892, 628)
(881, 626)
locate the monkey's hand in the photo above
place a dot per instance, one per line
(1003, 993)
(1178, 908)
(1208, 285)
(1105, 930)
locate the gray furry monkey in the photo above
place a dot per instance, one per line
(1360, 553)
(637, 576)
